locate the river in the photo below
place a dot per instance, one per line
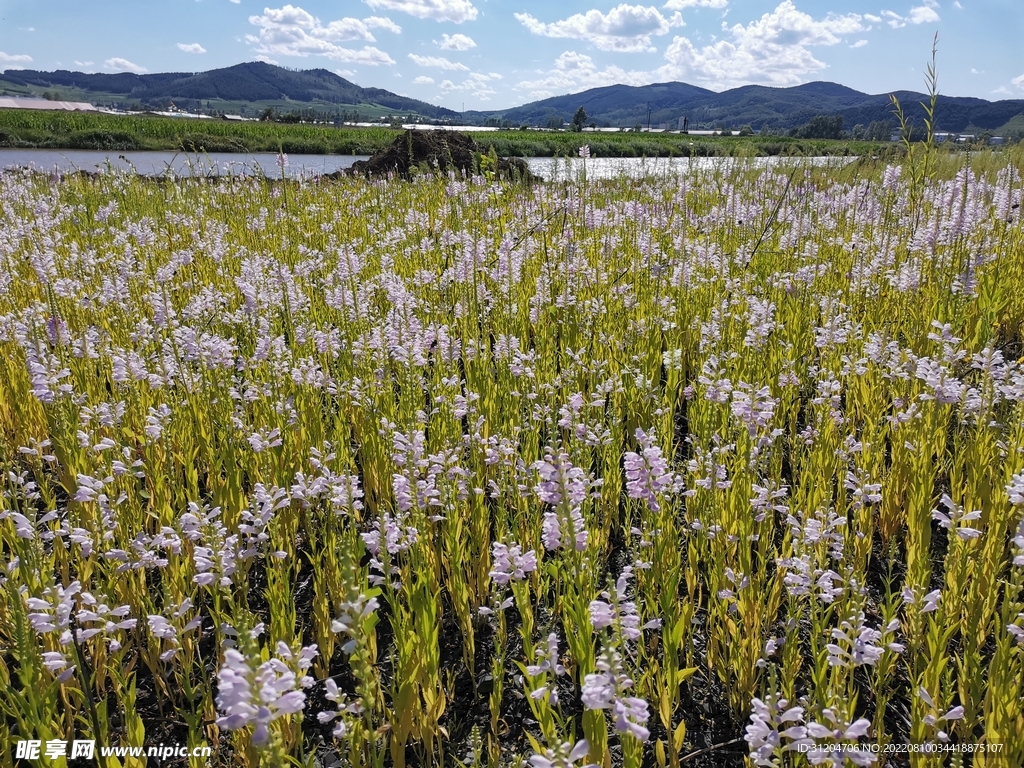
(294, 166)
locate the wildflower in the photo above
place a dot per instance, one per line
(842, 732)
(510, 564)
(1018, 544)
(717, 387)
(59, 606)
(585, 151)
(752, 408)
(549, 662)
(564, 756)
(647, 473)
(605, 689)
(1016, 630)
(58, 665)
(343, 711)
(345, 494)
(351, 618)
(858, 643)
(56, 331)
(945, 387)
(617, 612)
(951, 522)
(933, 719)
(260, 442)
(863, 491)
(551, 531)
(258, 695)
(766, 498)
(397, 536)
(929, 602)
(1015, 489)
(564, 487)
(774, 727)
(156, 422)
(171, 630)
(803, 578)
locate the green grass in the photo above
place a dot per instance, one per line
(79, 130)
(83, 130)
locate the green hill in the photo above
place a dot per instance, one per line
(254, 83)
(758, 106)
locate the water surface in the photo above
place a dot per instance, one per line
(181, 163)
(270, 165)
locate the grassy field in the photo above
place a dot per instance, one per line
(64, 130)
(716, 470)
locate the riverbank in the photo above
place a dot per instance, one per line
(26, 129)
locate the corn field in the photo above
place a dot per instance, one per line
(719, 468)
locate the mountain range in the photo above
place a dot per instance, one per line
(763, 107)
(659, 104)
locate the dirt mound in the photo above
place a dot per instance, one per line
(417, 152)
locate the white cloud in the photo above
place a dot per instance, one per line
(424, 80)
(979, 71)
(83, 63)
(1019, 82)
(292, 31)
(382, 22)
(923, 15)
(456, 42)
(289, 20)
(872, 18)
(894, 20)
(476, 84)
(1002, 90)
(123, 65)
(440, 62)
(625, 28)
(956, 4)
(773, 50)
(191, 48)
(678, 5)
(14, 57)
(859, 44)
(456, 11)
(575, 72)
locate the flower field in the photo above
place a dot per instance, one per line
(724, 468)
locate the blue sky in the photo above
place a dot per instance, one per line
(491, 54)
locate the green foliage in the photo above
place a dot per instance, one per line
(579, 119)
(820, 127)
(26, 128)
